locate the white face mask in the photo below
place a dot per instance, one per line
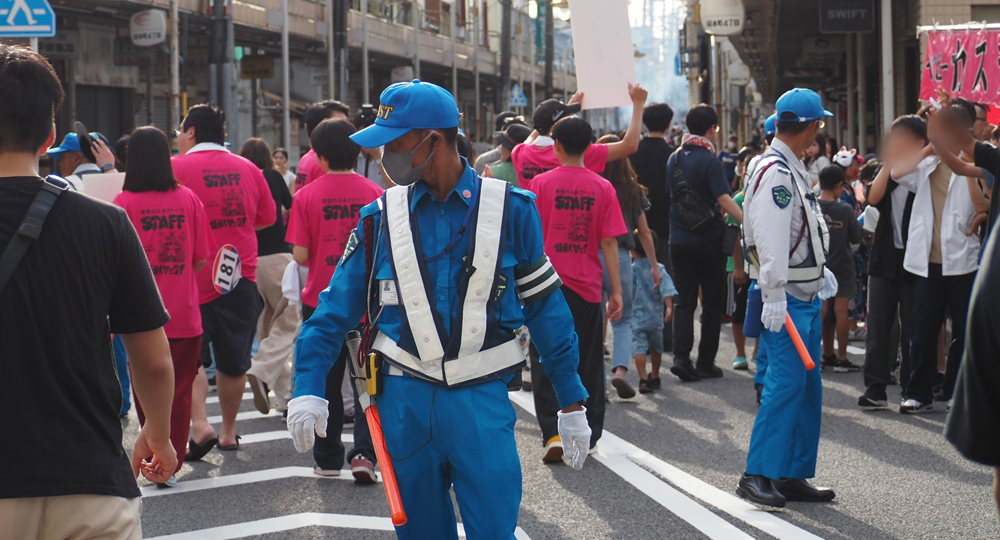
(731, 145)
(398, 166)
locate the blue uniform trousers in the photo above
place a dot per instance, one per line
(785, 436)
(439, 437)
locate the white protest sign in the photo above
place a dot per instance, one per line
(103, 186)
(602, 44)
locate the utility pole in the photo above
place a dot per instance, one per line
(848, 141)
(453, 27)
(340, 43)
(331, 50)
(226, 87)
(286, 91)
(550, 48)
(862, 96)
(888, 81)
(175, 74)
(503, 99)
(475, 62)
(366, 84)
(691, 46)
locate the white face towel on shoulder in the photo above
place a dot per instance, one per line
(290, 283)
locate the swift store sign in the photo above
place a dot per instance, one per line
(844, 16)
(148, 28)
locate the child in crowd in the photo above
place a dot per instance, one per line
(844, 231)
(649, 316)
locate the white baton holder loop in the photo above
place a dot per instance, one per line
(227, 269)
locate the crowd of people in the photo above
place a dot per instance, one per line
(223, 269)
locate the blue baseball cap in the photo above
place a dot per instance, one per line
(769, 127)
(804, 104)
(70, 143)
(407, 106)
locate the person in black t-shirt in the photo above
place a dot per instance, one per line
(650, 164)
(85, 276)
(279, 323)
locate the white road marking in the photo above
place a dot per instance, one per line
(858, 351)
(278, 435)
(625, 459)
(298, 521)
(249, 415)
(240, 479)
(215, 399)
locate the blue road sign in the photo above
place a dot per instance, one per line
(517, 97)
(27, 18)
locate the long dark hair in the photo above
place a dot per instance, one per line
(622, 176)
(258, 152)
(148, 165)
(821, 143)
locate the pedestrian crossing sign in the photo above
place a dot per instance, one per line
(26, 18)
(517, 98)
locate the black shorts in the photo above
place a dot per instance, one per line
(229, 324)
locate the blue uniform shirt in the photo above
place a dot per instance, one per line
(342, 304)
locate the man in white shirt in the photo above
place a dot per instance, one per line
(941, 255)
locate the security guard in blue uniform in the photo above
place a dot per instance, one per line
(456, 264)
(785, 244)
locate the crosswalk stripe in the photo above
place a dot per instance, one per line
(298, 521)
(624, 459)
(188, 486)
(278, 435)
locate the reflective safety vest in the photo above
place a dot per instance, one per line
(478, 349)
(813, 228)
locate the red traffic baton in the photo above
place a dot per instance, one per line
(797, 340)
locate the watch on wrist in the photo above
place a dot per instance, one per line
(107, 167)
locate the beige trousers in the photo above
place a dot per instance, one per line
(70, 517)
(277, 329)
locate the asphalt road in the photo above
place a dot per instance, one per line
(667, 468)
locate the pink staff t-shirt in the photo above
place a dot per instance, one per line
(236, 199)
(578, 208)
(174, 233)
(309, 169)
(531, 160)
(324, 213)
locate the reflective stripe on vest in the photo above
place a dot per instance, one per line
(811, 268)
(472, 361)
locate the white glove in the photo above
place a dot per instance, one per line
(773, 318)
(829, 285)
(307, 415)
(575, 434)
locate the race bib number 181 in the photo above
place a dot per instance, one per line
(227, 269)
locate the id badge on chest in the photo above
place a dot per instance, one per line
(388, 295)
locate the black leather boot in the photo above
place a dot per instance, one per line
(798, 490)
(759, 490)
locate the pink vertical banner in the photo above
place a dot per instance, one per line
(965, 63)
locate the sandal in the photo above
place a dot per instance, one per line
(197, 451)
(644, 386)
(231, 447)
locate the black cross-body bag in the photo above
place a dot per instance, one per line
(692, 211)
(30, 228)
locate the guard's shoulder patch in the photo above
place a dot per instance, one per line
(523, 193)
(351, 247)
(781, 196)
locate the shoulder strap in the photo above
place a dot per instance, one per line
(30, 228)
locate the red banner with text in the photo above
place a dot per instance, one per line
(965, 63)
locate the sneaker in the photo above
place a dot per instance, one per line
(625, 390)
(363, 470)
(912, 406)
(686, 373)
(827, 361)
(211, 382)
(740, 364)
(872, 399)
(325, 472)
(171, 482)
(553, 450)
(592, 451)
(644, 386)
(654, 383)
(858, 334)
(348, 421)
(845, 366)
(260, 399)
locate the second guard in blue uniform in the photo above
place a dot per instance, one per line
(458, 263)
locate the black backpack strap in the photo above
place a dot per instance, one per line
(30, 228)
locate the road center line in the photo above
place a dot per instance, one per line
(614, 451)
(298, 521)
